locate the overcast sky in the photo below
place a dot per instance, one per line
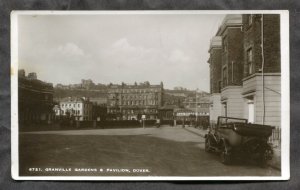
(118, 48)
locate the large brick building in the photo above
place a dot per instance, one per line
(262, 74)
(199, 104)
(215, 65)
(232, 65)
(35, 99)
(250, 71)
(129, 102)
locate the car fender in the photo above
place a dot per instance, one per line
(224, 142)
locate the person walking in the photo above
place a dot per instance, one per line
(157, 122)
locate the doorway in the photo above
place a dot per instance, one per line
(251, 111)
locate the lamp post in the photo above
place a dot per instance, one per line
(196, 108)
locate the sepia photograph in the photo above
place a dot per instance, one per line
(150, 95)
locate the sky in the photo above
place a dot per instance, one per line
(115, 48)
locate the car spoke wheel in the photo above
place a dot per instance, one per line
(265, 156)
(207, 145)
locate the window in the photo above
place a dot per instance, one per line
(225, 44)
(250, 61)
(220, 86)
(224, 74)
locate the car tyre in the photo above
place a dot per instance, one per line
(207, 145)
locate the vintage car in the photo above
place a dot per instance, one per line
(235, 138)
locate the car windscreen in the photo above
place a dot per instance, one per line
(225, 121)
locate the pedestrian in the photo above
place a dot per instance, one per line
(157, 122)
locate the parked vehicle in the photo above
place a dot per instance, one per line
(235, 138)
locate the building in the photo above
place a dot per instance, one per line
(99, 112)
(35, 99)
(129, 102)
(250, 85)
(215, 65)
(166, 112)
(87, 84)
(57, 111)
(84, 85)
(199, 104)
(172, 100)
(78, 108)
(232, 66)
(188, 116)
(262, 73)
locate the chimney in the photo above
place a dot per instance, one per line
(21, 73)
(32, 76)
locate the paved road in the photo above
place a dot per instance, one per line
(164, 151)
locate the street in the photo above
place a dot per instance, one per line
(164, 151)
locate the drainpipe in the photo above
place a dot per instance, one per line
(262, 69)
(232, 72)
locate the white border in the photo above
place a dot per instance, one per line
(285, 100)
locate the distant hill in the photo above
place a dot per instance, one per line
(98, 96)
(171, 97)
(184, 92)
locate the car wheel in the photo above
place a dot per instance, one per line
(207, 145)
(264, 157)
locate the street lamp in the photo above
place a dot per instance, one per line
(196, 108)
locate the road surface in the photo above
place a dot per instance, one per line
(164, 151)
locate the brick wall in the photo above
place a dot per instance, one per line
(272, 43)
(215, 69)
(233, 57)
(252, 40)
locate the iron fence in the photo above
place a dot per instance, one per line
(275, 138)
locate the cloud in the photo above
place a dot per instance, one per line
(169, 48)
(123, 54)
(177, 56)
(123, 44)
(70, 49)
(67, 61)
(122, 48)
(125, 61)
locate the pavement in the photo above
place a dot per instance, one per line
(164, 132)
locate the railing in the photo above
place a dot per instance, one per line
(275, 138)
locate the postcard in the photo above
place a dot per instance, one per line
(150, 95)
